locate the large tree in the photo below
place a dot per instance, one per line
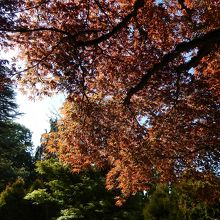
(142, 83)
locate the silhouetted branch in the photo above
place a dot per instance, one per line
(138, 4)
(206, 41)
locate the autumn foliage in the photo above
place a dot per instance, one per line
(142, 79)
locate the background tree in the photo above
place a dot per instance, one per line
(15, 150)
(15, 139)
(162, 204)
(8, 106)
(14, 206)
(141, 78)
(81, 195)
(192, 195)
(185, 200)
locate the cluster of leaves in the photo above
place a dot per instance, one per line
(192, 195)
(60, 194)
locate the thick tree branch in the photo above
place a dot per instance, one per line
(138, 4)
(195, 60)
(207, 40)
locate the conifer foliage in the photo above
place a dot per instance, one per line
(8, 107)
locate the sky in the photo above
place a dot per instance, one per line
(36, 114)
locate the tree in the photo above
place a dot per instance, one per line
(8, 107)
(81, 195)
(141, 78)
(15, 150)
(162, 204)
(193, 200)
(14, 206)
(185, 200)
(15, 139)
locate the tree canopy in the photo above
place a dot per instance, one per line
(142, 82)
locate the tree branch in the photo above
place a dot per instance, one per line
(207, 40)
(195, 60)
(138, 4)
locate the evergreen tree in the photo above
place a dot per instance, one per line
(162, 205)
(8, 106)
(15, 139)
(185, 200)
(193, 199)
(14, 206)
